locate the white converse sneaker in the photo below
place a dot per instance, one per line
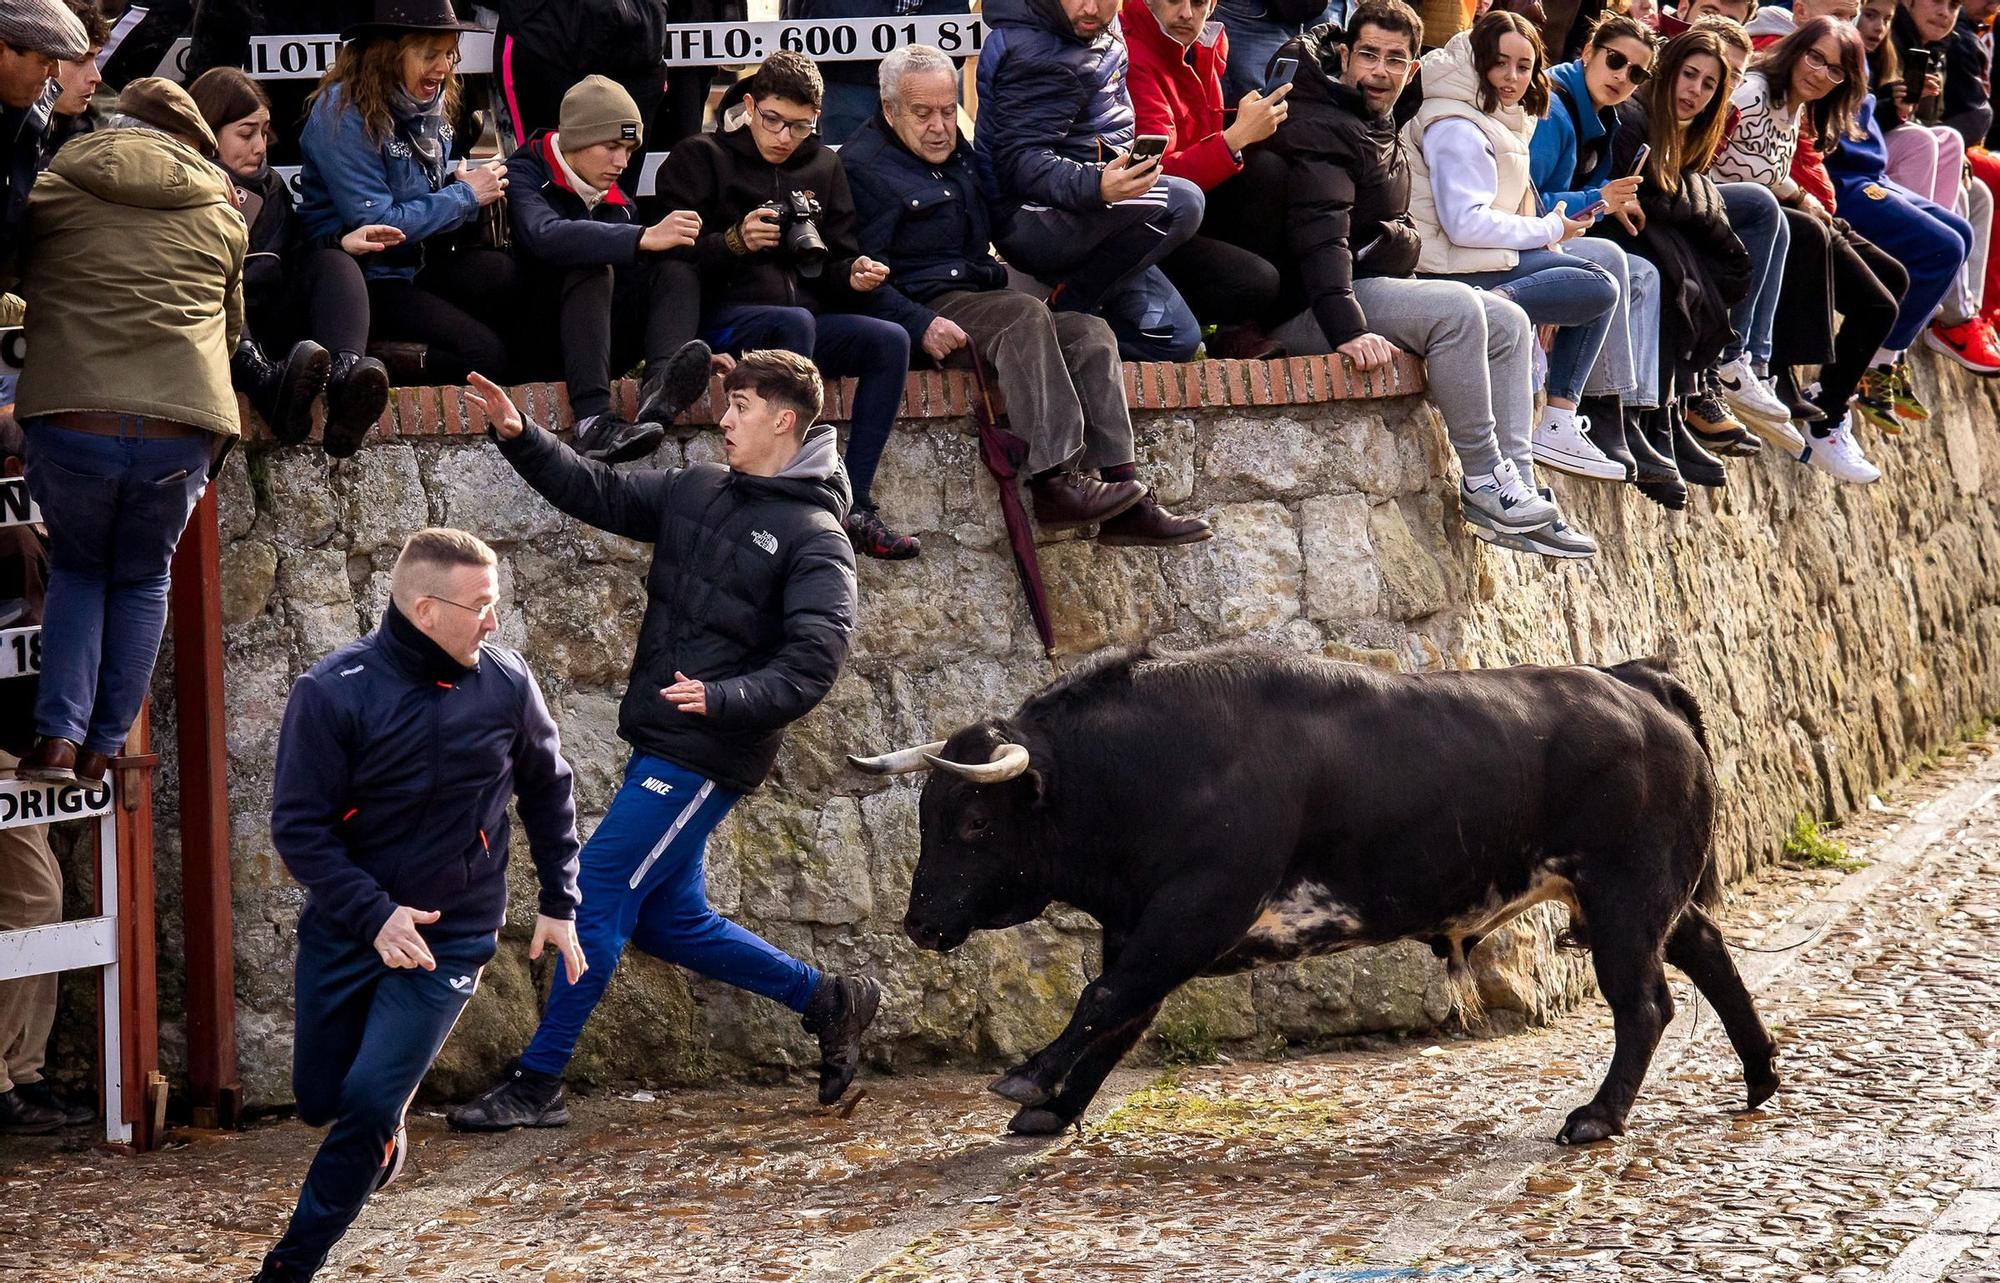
(1502, 502)
(1837, 455)
(1747, 394)
(1558, 441)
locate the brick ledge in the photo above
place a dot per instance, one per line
(937, 394)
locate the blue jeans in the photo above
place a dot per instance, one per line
(1929, 240)
(365, 1036)
(1759, 222)
(115, 508)
(1564, 290)
(1629, 365)
(874, 352)
(643, 881)
(1253, 38)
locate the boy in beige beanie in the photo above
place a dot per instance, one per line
(615, 289)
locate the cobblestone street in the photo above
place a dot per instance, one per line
(1419, 1159)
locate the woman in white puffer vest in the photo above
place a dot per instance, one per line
(1475, 207)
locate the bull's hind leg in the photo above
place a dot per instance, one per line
(1630, 974)
(1696, 947)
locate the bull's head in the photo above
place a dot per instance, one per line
(976, 869)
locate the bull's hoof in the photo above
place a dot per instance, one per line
(1587, 1126)
(1020, 1089)
(1762, 1087)
(1034, 1121)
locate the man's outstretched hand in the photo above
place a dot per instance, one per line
(560, 932)
(500, 409)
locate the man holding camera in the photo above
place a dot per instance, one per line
(780, 267)
(615, 290)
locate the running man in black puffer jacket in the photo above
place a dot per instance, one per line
(750, 607)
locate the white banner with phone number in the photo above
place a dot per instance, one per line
(703, 44)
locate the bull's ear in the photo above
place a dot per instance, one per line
(1035, 787)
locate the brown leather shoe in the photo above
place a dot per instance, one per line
(1066, 499)
(1147, 525)
(50, 761)
(90, 767)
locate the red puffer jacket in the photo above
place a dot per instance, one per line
(1178, 92)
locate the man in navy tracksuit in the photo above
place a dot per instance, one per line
(750, 603)
(398, 757)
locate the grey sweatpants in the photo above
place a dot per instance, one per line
(1059, 373)
(1478, 354)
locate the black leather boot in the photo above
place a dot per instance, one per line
(1652, 448)
(1697, 466)
(282, 394)
(1607, 430)
(356, 395)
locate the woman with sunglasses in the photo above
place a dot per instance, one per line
(1474, 206)
(1570, 164)
(1814, 80)
(1677, 121)
(377, 145)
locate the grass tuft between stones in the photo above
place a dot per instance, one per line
(1809, 845)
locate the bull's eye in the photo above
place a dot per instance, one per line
(974, 828)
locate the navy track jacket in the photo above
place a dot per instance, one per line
(395, 767)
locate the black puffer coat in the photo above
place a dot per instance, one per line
(1347, 187)
(1704, 269)
(751, 591)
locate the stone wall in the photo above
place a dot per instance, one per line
(1833, 634)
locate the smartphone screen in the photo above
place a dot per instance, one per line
(1148, 147)
(1282, 72)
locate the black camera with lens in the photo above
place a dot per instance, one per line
(798, 234)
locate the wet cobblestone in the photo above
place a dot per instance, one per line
(1879, 1159)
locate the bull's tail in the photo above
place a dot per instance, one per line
(1654, 677)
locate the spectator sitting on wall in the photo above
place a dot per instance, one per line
(611, 286)
(781, 268)
(377, 147)
(135, 301)
(310, 297)
(30, 878)
(1227, 272)
(1077, 209)
(35, 35)
(544, 47)
(1348, 215)
(919, 207)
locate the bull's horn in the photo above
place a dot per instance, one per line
(900, 762)
(1008, 761)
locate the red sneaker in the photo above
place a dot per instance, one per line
(1973, 344)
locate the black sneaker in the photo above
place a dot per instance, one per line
(74, 1112)
(522, 1098)
(841, 1009)
(610, 439)
(872, 537)
(676, 385)
(20, 1116)
(393, 1158)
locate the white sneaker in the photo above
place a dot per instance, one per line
(1501, 501)
(1558, 441)
(1839, 457)
(1558, 539)
(1747, 394)
(1783, 435)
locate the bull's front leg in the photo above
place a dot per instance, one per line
(1079, 1086)
(1177, 939)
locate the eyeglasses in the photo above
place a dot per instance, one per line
(1637, 72)
(449, 57)
(491, 610)
(779, 125)
(1366, 59)
(1820, 63)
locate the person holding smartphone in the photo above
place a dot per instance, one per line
(1476, 210)
(1228, 270)
(1079, 208)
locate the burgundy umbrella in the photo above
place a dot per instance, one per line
(1005, 453)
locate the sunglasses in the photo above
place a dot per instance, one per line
(1637, 72)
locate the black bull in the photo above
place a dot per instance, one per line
(1226, 808)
